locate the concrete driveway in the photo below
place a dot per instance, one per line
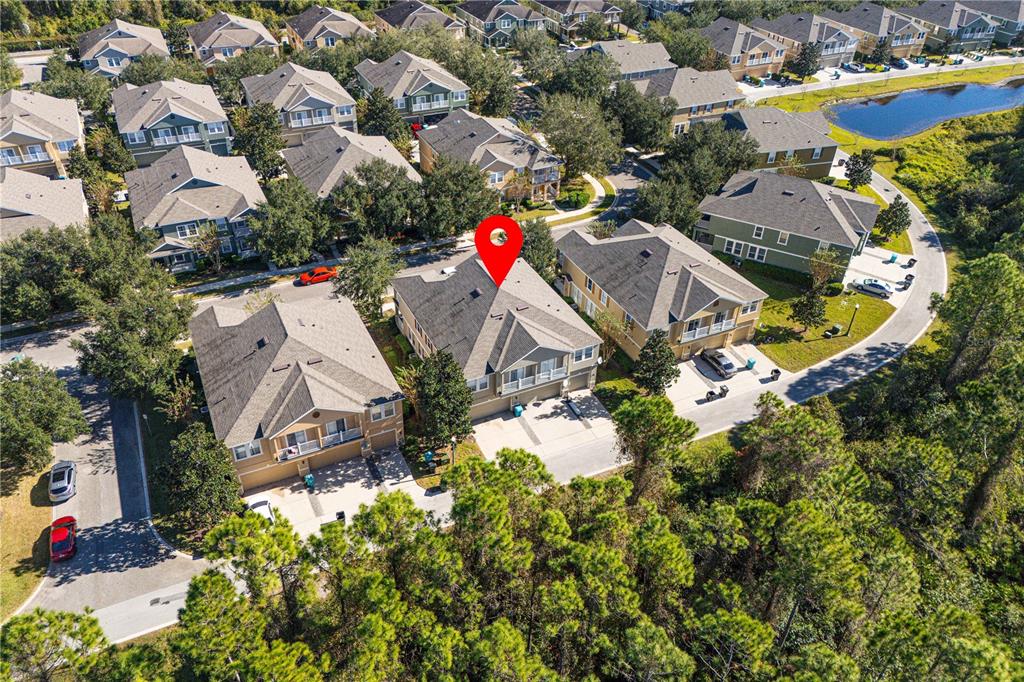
(696, 377)
(877, 263)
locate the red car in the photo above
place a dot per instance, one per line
(317, 275)
(62, 538)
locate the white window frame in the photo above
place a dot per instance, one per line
(583, 354)
(817, 153)
(589, 284)
(161, 134)
(438, 99)
(604, 297)
(749, 308)
(789, 154)
(734, 248)
(737, 59)
(754, 251)
(251, 449)
(771, 157)
(783, 238)
(67, 145)
(495, 177)
(400, 103)
(382, 412)
(459, 96)
(190, 230)
(758, 231)
(227, 52)
(479, 384)
(215, 128)
(344, 110)
(329, 41)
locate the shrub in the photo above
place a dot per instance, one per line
(899, 155)
(834, 288)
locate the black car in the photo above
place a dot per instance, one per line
(719, 362)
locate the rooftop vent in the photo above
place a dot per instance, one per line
(521, 308)
(278, 368)
(476, 293)
(448, 271)
(262, 342)
(173, 175)
(646, 253)
(314, 361)
(787, 193)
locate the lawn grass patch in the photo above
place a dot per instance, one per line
(25, 515)
(535, 213)
(614, 392)
(427, 477)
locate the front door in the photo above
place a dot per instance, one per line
(297, 438)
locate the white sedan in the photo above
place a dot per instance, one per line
(874, 286)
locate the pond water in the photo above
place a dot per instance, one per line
(908, 113)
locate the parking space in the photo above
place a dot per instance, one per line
(697, 377)
(546, 427)
(877, 263)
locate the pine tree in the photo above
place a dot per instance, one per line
(258, 138)
(656, 367)
(444, 400)
(381, 117)
(366, 276)
(894, 219)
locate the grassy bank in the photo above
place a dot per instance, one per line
(25, 514)
(816, 99)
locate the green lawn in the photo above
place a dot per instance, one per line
(535, 213)
(901, 242)
(25, 514)
(792, 351)
(816, 99)
(427, 478)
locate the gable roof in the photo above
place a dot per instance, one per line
(795, 205)
(138, 107)
(26, 116)
(405, 74)
(578, 6)
(874, 19)
(490, 10)
(731, 38)
(692, 88)
(1011, 10)
(229, 30)
(30, 200)
(289, 85)
(415, 14)
(950, 15)
(490, 143)
(804, 27)
(635, 57)
(324, 159)
(145, 40)
(487, 329)
(263, 372)
(777, 130)
(655, 273)
(316, 20)
(188, 184)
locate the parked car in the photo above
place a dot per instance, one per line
(63, 533)
(899, 63)
(719, 362)
(317, 275)
(63, 477)
(873, 286)
(263, 508)
(855, 67)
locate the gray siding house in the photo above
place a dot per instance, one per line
(515, 344)
(224, 36)
(155, 118)
(492, 22)
(838, 44)
(421, 89)
(306, 100)
(187, 188)
(565, 17)
(412, 14)
(965, 27)
(108, 49)
(783, 220)
(323, 27)
(1009, 14)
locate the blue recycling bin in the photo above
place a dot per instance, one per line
(517, 410)
(750, 363)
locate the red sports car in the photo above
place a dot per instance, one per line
(317, 275)
(62, 538)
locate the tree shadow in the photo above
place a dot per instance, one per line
(114, 547)
(39, 496)
(843, 370)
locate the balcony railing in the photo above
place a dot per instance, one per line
(315, 121)
(722, 326)
(175, 139)
(698, 333)
(333, 439)
(426, 106)
(538, 378)
(12, 160)
(315, 445)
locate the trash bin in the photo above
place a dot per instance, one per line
(309, 481)
(517, 410)
(750, 363)
(892, 258)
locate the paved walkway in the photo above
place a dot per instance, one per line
(825, 80)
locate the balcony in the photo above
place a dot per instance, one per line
(699, 333)
(722, 326)
(332, 439)
(175, 139)
(535, 379)
(316, 445)
(315, 121)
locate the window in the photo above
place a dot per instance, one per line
(163, 135)
(227, 51)
(10, 155)
(583, 354)
(336, 426)
(590, 308)
(817, 153)
(329, 41)
(771, 157)
(628, 319)
(604, 298)
(246, 450)
(310, 43)
(399, 102)
(459, 96)
(757, 253)
(693, 325)
(187, 230)
(300, 119)
(694, 109)
(180, 258)
(789, 154)
(783, 238)
(345, 110)
(188, 131)
(678, 128)
(779, 53)
(322, 114)
(66, 145)
(496, 177)
(708, 108)
(378, 412)
(506, 23)
(734, 248)
(748, 308)
(215, 128)
(590, 285)
(111, 61)
(439, 99)
(920, 36)
(480, 384)
(737, 59)
(758, 231)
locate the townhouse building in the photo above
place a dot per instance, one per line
(295, 387)
(797, 142)
(653, 277)
(953, 26)
(493, 22)
(1008, 14)
(784, 220)
(838, 44)
(515, 345)
(108, 49)
(656, 9)
(513, 163)
(635, 61)
(319, 27)
(38, 131)
(749, 52)
(410, 14)
(155, 118)
(699, 95)
(328, 158)
(565, 17)
(31, 201)
(186, 189)
(306, 100)
(873, 24)
(224, 36)
(421, 89)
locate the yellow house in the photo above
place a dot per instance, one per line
(653, 277)
(38, 131)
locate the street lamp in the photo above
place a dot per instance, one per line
(856, 307)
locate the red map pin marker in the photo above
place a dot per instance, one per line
(498, 258)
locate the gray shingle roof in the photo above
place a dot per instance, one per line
(490, 10)
(951, 15)
(30, 200)
(795, 205)
(487, 329)
(405, 74)
(805, 27)
(655, 273)
(1011, 10)
(776, 130)
(689, 87)
(145, 40)
(633, 57)
(323, 161)
(874, 19)
(732, 38)
(139, 107)
(229, 30)
(491, 143)
(578, 6)
(261, 373)
(27, 116)
(289, 85)
(415, 14)
(317, 20)
(191, 184)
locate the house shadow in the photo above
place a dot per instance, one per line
(334, 477)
